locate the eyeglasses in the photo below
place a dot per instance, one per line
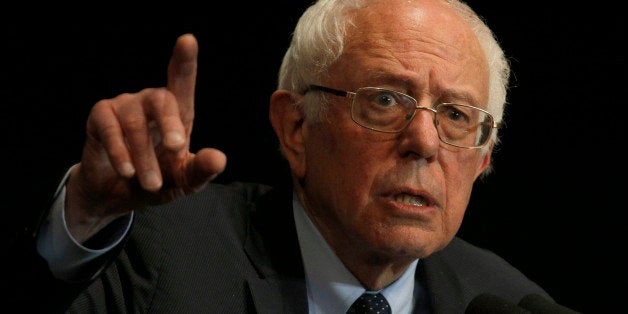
(388, 111)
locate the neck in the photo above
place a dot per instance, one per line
(373, 271)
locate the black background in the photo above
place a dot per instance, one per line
(553, 206)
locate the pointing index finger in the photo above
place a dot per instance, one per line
(182, 76)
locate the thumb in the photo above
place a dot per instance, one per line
(206, 165)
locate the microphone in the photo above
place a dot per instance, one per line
(487, 303)
(538, 304)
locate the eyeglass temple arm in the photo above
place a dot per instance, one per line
(494, 125)
(327, 90)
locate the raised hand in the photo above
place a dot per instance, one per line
(137, 150)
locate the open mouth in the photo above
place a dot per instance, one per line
(413, 200)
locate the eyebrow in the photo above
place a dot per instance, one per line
(458, 95)
(408, 85)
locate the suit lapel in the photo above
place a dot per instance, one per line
(272, 246)
(445, 293)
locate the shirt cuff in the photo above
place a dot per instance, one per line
(65, 256)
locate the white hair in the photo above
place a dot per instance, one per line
(318, 39)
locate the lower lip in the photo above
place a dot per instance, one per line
(409, 211)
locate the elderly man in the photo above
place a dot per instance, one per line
(386, 112)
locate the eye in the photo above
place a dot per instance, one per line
(385, 99)
(453, 113)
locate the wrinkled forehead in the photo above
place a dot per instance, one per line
(432, 23)
(425, 44)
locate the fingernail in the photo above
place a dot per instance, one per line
(127, 169)
(174, 138)
(151, 180)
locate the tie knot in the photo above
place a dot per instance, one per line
(371, 303)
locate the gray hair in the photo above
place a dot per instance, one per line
(318, 39)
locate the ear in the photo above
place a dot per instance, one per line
(286, 117)
(486, 161)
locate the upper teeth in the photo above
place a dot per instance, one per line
(410, 199)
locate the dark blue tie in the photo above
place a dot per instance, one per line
(371, 303)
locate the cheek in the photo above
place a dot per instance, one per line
(460, 167)
(343, 162)
(459, 172)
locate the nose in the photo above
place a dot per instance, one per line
(420, 137)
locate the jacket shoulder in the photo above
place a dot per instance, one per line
(462, 271)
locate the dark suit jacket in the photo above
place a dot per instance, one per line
(233, 249)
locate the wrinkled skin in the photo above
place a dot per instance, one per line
(137, 150)
(348, 177)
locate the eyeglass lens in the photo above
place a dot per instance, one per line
(391, 111)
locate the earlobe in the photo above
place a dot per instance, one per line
(485, 163)
(286, 118)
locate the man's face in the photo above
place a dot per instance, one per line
(389, 196)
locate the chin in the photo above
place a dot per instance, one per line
(411, 243)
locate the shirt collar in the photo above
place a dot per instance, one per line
(330, 285)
